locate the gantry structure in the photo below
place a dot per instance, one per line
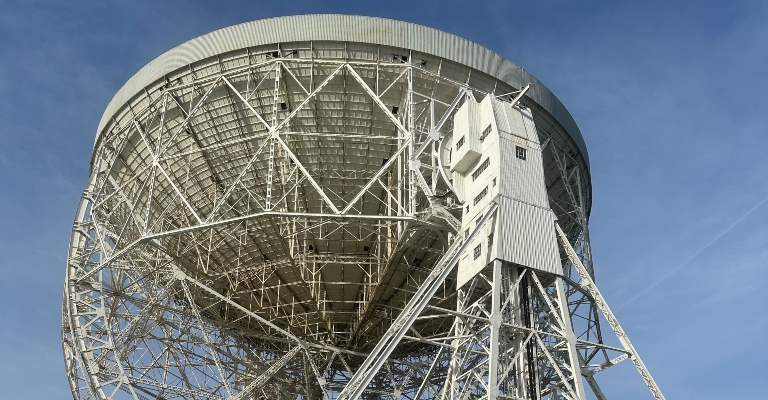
(336, 207)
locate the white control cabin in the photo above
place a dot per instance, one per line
(496, 156)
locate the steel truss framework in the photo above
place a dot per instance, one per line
(279, 225)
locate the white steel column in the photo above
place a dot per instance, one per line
(495, 327)
(587, 282)
(570, 338)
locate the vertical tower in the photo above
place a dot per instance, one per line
(509, 283)
(335, 207)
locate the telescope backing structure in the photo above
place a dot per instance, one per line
(336, 207)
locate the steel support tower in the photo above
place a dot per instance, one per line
(336, 207)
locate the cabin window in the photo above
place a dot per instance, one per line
(481, 195)
(520, 152)
(460, 143)
(485, 133)
(481, 168)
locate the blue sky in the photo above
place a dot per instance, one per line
(672, 99)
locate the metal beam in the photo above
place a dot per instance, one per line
(415, 306)
(608, 314)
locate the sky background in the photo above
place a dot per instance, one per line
(671, 97)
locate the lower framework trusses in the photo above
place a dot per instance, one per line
(280, 227)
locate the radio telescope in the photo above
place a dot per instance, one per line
(336, 207)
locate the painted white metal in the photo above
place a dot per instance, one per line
(466, 149)
(317, 28)
(502, 162)
(270, 214)
(369, 369)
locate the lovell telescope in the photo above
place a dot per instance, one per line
(336, 207)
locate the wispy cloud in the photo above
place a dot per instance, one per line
(698, 252)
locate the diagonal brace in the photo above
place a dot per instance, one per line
(370, 367)
(612, 321)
